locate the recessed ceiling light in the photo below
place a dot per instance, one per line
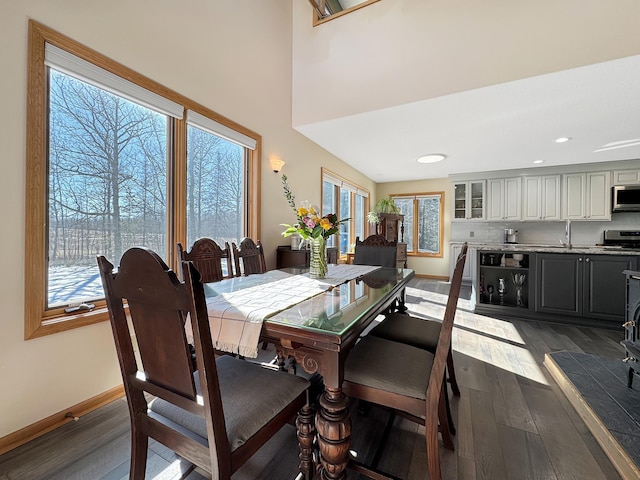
(538, 161)
(431, 158)
(563, 139)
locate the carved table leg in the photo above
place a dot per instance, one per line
(281, 359)
(306, 434)
(402, 308)
(334, 434)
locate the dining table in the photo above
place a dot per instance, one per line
(314, 323)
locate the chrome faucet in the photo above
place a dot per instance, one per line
(567, 234)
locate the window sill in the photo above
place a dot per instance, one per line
(60, 323)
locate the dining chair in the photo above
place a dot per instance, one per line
(407, 379)
(375, 250)
(252, 256)
(207, 256)
(419, 332)
(212, 418)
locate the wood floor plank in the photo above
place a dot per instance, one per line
(488, 452)
(466, 469)
(56, 451)
(525, 455)
(497, 398)
(561, 439)
(517, 410)
(464, 426)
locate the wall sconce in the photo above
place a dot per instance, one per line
(276, 164)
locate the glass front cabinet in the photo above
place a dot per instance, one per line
(469, 200)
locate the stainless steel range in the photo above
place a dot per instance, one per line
(622, 238)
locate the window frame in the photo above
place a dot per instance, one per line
(39, 320)
(319, 19)
(338, 182)
(414, 233)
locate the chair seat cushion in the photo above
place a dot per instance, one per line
(404, 328)
(390, 366)
(251, 396)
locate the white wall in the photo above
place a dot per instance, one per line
(233, 56)
(426, 49)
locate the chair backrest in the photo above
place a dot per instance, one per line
(446, 331)
(158, 305)
(375, 250)
(207, 257)
(375, 241)
(252, 256)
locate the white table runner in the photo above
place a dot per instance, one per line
(236, 315)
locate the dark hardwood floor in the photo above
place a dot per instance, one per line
(513, 422)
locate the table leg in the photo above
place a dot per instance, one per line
(333, 425)
(401, 302)
(306, 433)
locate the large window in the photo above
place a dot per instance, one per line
(347, 200)
(423, 222)
(112, 162)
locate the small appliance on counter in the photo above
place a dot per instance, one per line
(622, 238)
(510, 235)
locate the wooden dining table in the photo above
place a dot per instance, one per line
(318, 334)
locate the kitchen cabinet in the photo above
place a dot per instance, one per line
(469, 200)
(626, 177)
(587, 196)
(590, 286)
(541, 198)
(504, 199)
(497, 276)
(469, 272)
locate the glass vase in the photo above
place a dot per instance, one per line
(519, 299)
(318, 258)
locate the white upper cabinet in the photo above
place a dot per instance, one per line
(587, 196)
(626, 177)
(469, 200)
(504, 199)
(541, 198)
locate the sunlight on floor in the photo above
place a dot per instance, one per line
(484, 338)
(175, 470)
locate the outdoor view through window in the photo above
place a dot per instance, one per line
(108, 185)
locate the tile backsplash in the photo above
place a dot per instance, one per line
(546, 233)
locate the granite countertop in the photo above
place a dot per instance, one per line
(535, 248)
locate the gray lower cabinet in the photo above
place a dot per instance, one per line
(590, 286)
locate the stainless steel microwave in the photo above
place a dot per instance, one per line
(625, 198)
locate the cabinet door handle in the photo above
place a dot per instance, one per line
(580, 259)
(587, 260)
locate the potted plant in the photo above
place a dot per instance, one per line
(384, 205)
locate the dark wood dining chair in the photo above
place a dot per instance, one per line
(375, 250)
(212, 417)
(419, 332)
(248, 257)
(407, 379)
(207, 256)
